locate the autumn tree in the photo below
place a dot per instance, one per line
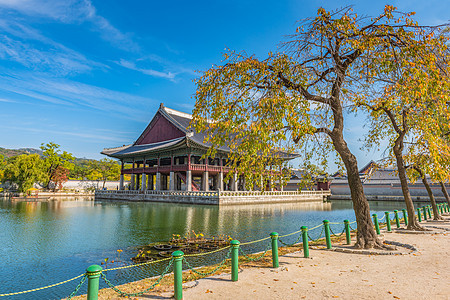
(297, 97)
(54, 158)
(59, 177)
(24, 170)
(405, 89)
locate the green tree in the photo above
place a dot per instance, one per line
(53, 158)
(297, 98)
(2, 167)
(24, 170)
(80, 169)
(104, 169)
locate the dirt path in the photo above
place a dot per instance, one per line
(422, 275)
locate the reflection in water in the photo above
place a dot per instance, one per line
(47, 242)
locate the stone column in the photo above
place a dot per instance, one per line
(205, 186)
(188, 181)
(158, 181)
(150, 182)
(234, 183)
(132, 184)
(121, 182)
(220, 182)
(172, 181)
(143, 182)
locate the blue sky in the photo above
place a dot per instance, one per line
(91, 74)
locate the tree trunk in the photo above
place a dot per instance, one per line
(366, 236)
(436, 215)
(413, 223)
(444, 191)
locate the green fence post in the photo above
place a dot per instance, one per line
(419, 215)
(441, 210)
(347, 231)
(424, 213)
(375, 222)
(405, 216)
(274, 236)
(93, 273)
(326, 225)
(397, 220)
(388, 221)
(234, 259)
(305, 241)
(429, 211)
(178, 274)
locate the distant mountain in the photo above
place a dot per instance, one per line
(13, 152)
(31, 150)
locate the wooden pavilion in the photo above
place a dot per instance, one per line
(168, 156)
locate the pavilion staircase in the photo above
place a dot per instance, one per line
(194, 185)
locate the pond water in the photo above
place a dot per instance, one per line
(47, 242)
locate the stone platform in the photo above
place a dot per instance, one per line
(213, 197)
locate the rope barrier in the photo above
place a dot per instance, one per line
(137, 265)
(318, 238)
(256, 258)
(42, 288)
(338, 235)
(289, 234)
(122, 293)
(257, 241)
(75, 291)
(206, 253)
(290, 245)
(210, 272)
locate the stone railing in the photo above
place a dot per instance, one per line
(218, 193)
(272, 193)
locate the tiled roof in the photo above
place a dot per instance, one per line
(181, 120)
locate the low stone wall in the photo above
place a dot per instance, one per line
(388, 198)
(213, 198)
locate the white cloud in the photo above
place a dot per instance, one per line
(30, 48)
(83, 133)
(132, 66)
(75, 94)
(173, 70)
(73, 11)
